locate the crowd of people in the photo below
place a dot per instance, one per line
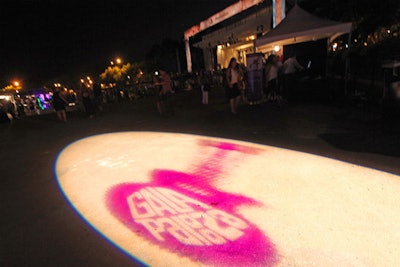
(278, 77)
(16, 106)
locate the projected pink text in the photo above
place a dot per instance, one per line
(186, 214)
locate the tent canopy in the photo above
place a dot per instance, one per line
(301, 26)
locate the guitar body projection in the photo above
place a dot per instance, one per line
(186, 214)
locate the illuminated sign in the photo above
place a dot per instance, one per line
(228, 12)
(188, 200)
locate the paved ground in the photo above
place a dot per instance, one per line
(39, 228)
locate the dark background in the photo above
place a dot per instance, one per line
(41, 40)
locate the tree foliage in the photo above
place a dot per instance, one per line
(125, 74)
(168, 55)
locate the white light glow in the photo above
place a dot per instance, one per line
(316, 211)
(6, 97)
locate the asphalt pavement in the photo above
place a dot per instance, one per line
(39, 227)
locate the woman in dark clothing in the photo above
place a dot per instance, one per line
(59, 103)
(234, 78)
(88, 103)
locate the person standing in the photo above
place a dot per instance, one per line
(234, 77)
(3, 112)
(163, 86)
(166, 92)
(157, 92)
(243, 84)
(272, 70)
(20, 107)
(98, 97)
(290, 68)
(59, 103)
(87, 101)
(11, 109)
(204, 82)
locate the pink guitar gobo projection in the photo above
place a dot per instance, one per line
(186, 214)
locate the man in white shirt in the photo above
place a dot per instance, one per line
(290, 67)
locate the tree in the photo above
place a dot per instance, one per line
(367, 16)
(170, 54)
(123, 76)
(375, 35)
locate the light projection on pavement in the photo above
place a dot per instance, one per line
(185, 200)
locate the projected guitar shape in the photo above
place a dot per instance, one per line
(185, 214)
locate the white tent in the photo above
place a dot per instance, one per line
(301, 26)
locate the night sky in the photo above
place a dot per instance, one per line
(44, 40)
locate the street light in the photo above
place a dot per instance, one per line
(117, 61)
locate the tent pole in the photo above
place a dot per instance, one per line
(188, 55)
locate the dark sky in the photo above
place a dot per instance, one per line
(42, 40)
